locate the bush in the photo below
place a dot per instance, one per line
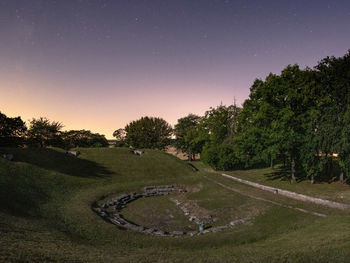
(221, 157)
(120, 144)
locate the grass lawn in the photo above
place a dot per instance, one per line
(333, 191)
(46, 216)
(158, 212)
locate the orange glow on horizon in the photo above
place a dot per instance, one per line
(97, 112)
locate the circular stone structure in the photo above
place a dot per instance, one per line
(111, 211)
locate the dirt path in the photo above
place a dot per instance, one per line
(263, 199)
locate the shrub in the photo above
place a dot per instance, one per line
(221, 157)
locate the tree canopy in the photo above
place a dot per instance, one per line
(43, 132)
(218, 128)
(82, 138)
(300, 118)
(148, 132)
(187, 135)
(12, 131)
(120, 135)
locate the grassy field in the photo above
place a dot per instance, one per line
(335, 191)
(46, 216)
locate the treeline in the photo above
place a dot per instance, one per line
(42, 132)
(299, 118)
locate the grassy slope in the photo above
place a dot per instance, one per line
(272, 177)
(45, 214)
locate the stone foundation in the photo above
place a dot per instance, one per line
(111, 212)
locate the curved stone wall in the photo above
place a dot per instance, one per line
(111, 211)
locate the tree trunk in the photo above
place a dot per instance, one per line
(312, 179)
(193, 156)
(341, 177)
(189, 156)
(271, 163)
(327, 165)
(293, 170)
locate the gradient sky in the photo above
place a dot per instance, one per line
(98, 64)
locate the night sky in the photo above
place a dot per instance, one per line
(99, 64)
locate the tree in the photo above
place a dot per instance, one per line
(82, 138)
(220, 124)
(333, 77)
(288, 126)
(187, 136)
(254, 125)
(120, 135)
(217, 129)
(148, 132)
(12, 131)
(300, 116)
(42, 132)
(275, 112)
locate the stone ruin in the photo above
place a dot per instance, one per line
(204, 222)
(138, 152)
(73, 153)
(111, 212)
(293, 195)
(8, 156)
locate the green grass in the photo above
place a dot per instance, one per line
(158, 212)
(272, 177)
(46, 216)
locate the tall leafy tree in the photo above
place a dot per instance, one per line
(187, 136)
(217, 128)
(272, 117)
(311, 159)
(220, 124)
(334, 78)
(148, 132)
(120, 135)
(12, 131)
(42, 132)
(289, 126)
(256, 139)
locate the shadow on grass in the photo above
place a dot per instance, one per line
(282, 174)
(24, 190)
(54, 160)
(22, 198)
(193, 168)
